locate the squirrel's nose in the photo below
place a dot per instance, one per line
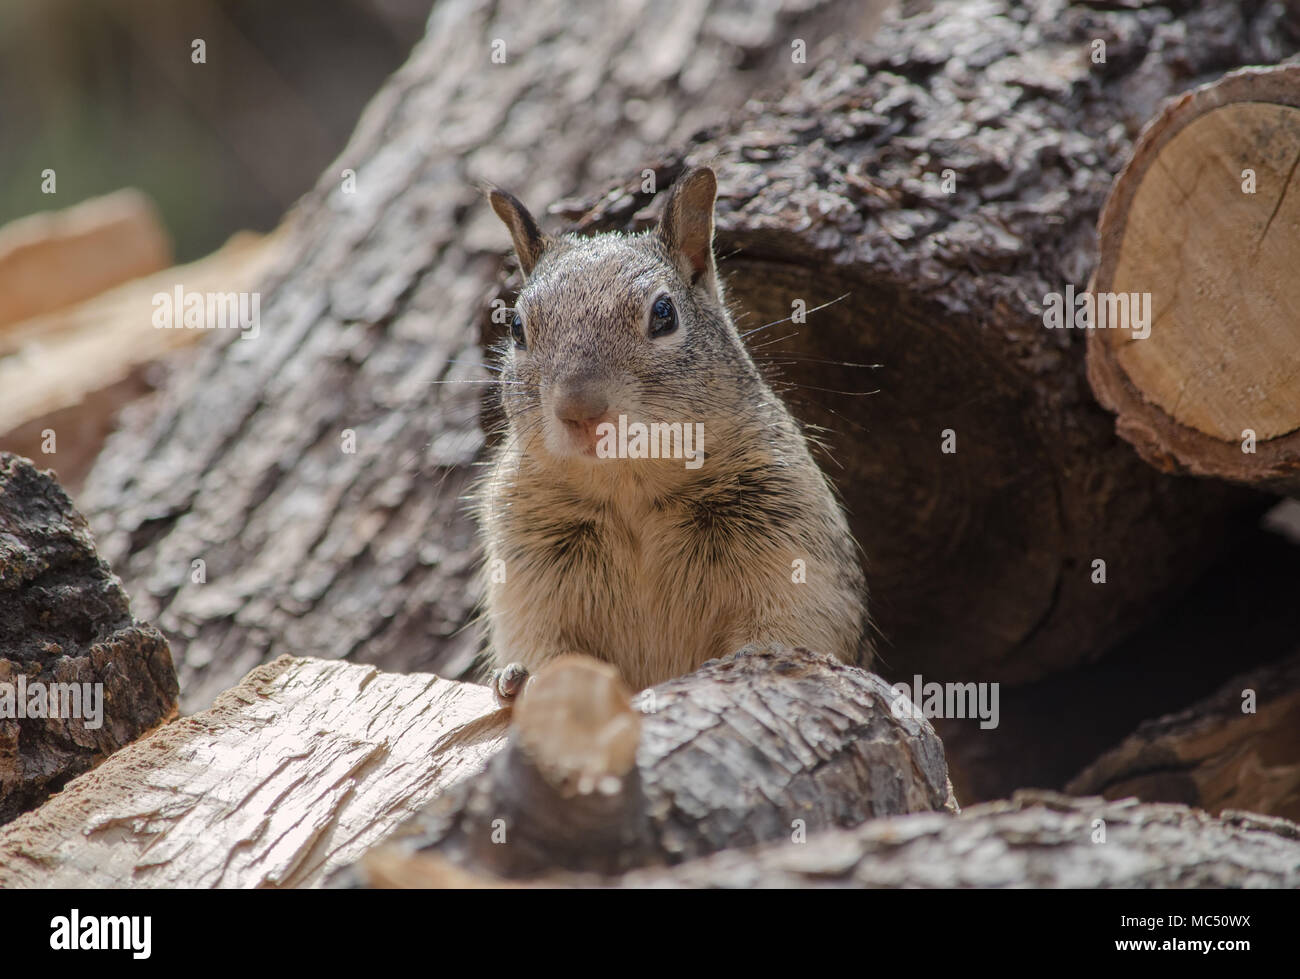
(581, 405)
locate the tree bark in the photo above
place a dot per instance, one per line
(982, 560)
(1039, 838)
(769, 743)
(317, 471)
(65, 621)
(1205, 221)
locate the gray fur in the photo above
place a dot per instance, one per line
(644, 563)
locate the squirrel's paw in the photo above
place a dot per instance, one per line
(508, 683)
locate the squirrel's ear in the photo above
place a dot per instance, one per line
(528, 238)
(686, 227)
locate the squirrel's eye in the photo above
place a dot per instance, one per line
(517, 331)
(663, 317)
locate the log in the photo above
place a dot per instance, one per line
(55, 259)
(291, 774)
(1203, 224)
(295, 773)
(79, 677)
(1215, 754)
(67, 374)
(768, 743)
(372, 329)
(1038, 838)
(981, 561)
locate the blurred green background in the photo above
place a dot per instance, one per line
(105, 93)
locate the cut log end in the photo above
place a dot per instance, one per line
(1200, 239)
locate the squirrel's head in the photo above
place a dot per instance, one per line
(614, 324)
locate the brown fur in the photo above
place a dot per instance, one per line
(644, 563)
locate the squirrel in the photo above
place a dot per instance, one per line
(606, 533)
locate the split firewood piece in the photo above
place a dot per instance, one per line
(769, 743)
(294, 772)
(67, 374)
(58, 258)
(1202, 228)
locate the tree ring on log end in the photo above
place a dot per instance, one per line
(1203, 229)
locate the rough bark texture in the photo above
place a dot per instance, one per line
(1205, 220)
(1214, 754)
(766, 744)
(373, 321)
(290, 775)
(64, 619)
(1037, 839)
(980, 561)
(293, 774)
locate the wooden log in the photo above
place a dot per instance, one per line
(1238, 749)
(55, 259)
(372, 330)
(79, 677)
(1037, 838)
(67, 375)
(296, 772)
(1203, 225)
(769, 743)
(291, 774)
(935, 191)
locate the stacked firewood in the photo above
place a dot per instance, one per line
(1022, 268)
